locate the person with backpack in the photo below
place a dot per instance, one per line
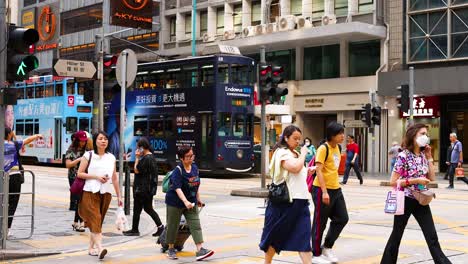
(183, 198)
(144, 187)
(352, 160)
(327, 196)
(12, 166)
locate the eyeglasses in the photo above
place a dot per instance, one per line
(190, 156)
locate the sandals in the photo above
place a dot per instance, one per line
(78, 227)
(93, 253)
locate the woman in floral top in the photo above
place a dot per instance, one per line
(414, 169)
(72, 162)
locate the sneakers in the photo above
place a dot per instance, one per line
(320, 260)
(159, 232)
(328, 253)
(171, 253)
(449, 187)
(131, 232)
(204, 253)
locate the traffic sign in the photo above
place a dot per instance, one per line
(354, 123)
(131, 67)
(74, 68)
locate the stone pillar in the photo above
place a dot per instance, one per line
(264, 11)
(307, 8)
(344, 59)
(180, 27)
(329, 7)
(228, 18)
(198, 25)
(285, 6)
(353, 9)
(246, 13)
(211, 21)
(299, 63)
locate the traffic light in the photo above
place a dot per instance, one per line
(376, 115)
(20, 60)
(109, 62)
(366, 114)
(88, 92)
(277, 92)
(264, 81)
(404, 104)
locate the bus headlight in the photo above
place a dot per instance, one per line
(240, 154)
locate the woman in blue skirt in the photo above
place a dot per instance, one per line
(287, 225)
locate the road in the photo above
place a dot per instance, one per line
(232, 226)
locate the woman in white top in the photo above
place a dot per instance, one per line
(101, 179)
(287, 225)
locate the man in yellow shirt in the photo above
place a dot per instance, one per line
(327, 196)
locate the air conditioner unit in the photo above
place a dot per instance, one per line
(248, 31)
(207, 38)
(287, 23)
(229, 34)
(259, 30)
(270, 28)
(328, 20)
(303, 22)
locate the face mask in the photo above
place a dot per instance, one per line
(307, 143)
(422, 141)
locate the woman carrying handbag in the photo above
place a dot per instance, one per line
(413, 170)
(287, 217)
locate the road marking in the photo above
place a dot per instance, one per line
(372, 260)
(451, 225)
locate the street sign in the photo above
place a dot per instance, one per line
(74, 68)
(354, 123)
(131, 67)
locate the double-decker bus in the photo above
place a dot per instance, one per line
(53, 107)
(205, 102)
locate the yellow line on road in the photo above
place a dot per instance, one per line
(450, 224)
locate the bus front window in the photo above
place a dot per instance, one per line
(239, 125)
(241, 74)
(224, 124)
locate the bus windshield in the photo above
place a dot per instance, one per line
(234, 124)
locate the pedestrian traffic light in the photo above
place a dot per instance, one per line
(20, 60)
(277, 78)
(88, 92)
(366, 114)
(264, 81)
(376, 115)
(404, 104)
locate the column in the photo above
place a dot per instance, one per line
(180, 27)
(264, 12)
(198, 25)
(285, 6)
(246, 13)
(211, 21)
(344, 59)
(353, 9)
(299, 63)
(228, 18)
(307, 8)
(329, 7)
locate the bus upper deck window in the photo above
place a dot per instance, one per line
(207, 76)
(58, 89)
(39, 91)
(240, 74)
(70, 88)
(190, 76)
(223, 73)
(30, 92)
(49, 91)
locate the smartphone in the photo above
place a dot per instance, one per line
(313, 167)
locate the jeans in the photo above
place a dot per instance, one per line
(143, 202)
(423, 216)
(336, 211)
(349, 165)
(453, 166)
(193, 220)
(392, 164)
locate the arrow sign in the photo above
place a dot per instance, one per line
(74, 68)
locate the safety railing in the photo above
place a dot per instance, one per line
(5, 199)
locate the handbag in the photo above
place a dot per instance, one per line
(459, 172)
(78, 184)
(423, 197)
(278, 193)
(395, 203)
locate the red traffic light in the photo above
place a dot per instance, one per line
(264, 70)
(110, 60)
(277, 71)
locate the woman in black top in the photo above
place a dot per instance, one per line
(144, 188)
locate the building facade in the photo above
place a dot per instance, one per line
(331, 51)
(430, 36)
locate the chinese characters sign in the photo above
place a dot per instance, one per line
(171, 99)
(425, 107)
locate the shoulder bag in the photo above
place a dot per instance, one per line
(278, 193)
(78, 184)
(423, 197)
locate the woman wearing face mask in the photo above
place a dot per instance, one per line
(414, 169)
(311, 150)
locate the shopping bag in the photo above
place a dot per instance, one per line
(121, 221)
(459, 172)
(395, 203)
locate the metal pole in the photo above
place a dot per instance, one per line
(373, 104)
(122, 117)
(411, 95)
(263, 127)
(194, 27)
(3, 63)
(98, 52)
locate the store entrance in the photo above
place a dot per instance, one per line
(458, 123)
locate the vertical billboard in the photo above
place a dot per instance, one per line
(47, 24)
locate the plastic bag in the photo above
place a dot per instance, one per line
(121, 221)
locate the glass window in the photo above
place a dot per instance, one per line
(426, 4)
(36, 126)
(58, 89)
(364, 58)
(71, 125)
(341, 7)
(30, 92)
(366, 6)
(29, 129)
(241, 74)
(84, 124)
(322, 62)
(318, 8)
(174, 78)
(223, 73)
(49, 91)
(207, 76)
(70, 88)
(81, 19)
(459, 32)
(19, 127)
(28, 2)
(190, 76)
(237, 17)
(203, 22)
(224, 124)
(256, 13)
(188, 26)
(39, 90)
(285, 58)
(140, 126)
(220, 21)
(239, 123)
(296, 7)
(275, 11)
(172, 29)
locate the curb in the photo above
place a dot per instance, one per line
(20, 254)
(251, 192)
(430, 185)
